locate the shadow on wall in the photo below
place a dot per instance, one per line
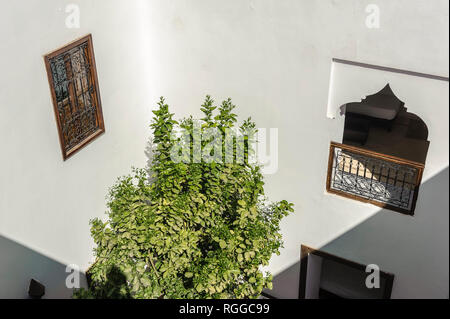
(19, 264)
(414, 249)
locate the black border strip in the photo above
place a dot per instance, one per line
(389, 69)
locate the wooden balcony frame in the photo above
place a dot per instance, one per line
(392, 159)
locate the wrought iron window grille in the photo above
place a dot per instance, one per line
(75, 93)
(379, 179)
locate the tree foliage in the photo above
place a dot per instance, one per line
(189, 229)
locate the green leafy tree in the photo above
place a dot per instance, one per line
(191, 228)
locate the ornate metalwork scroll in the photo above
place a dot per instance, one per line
(73, 83)
(386, 182)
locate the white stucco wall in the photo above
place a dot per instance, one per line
(411, 248)
(46, 203)
(272, 57)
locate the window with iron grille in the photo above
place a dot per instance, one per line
(74, 88)
(382, 155)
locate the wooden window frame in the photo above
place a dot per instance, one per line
(305, 251)
(98, 105)
(419, 166)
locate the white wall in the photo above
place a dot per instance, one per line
(272, 57)
(46, 203)
(405, 246)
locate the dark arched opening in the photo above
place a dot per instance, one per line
(381, 123)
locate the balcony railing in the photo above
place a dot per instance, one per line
(383, 180)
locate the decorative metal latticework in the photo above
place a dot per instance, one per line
(388, 183)
(73, 80)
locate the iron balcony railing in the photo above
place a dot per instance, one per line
(383, 180)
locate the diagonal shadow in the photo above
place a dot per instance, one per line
(415, 249)
(19, 264)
